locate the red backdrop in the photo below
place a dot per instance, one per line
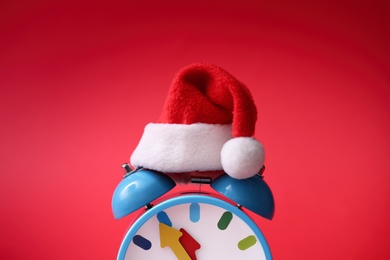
(80, 79)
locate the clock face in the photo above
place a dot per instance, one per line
(194, 227)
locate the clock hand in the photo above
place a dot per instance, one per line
(189, 243)
(170, 237)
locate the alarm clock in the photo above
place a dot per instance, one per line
(192, 216)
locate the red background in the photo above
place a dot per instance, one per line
(80, 79)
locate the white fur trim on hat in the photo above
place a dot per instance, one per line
(181, 147)
(242, 157)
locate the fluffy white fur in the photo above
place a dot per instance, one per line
(242, 157)
(181, 148)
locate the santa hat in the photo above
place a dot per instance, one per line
(207, 124)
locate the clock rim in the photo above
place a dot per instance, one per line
(192, 198)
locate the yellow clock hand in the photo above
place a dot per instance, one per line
(170, 237)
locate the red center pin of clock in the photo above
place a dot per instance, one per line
(198, 175)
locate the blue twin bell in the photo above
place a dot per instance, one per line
(140, 187)
(252, 193)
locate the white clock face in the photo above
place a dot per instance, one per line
(193, 227)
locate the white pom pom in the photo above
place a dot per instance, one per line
(242, 157)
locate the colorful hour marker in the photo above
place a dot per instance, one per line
(247, 242)
(225, 220)
(163, 218)
(194, 212)
(142, 242)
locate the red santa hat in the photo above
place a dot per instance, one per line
(207, 124)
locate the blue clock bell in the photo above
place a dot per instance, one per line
(198, 175)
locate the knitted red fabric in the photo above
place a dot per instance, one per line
(204, 93)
